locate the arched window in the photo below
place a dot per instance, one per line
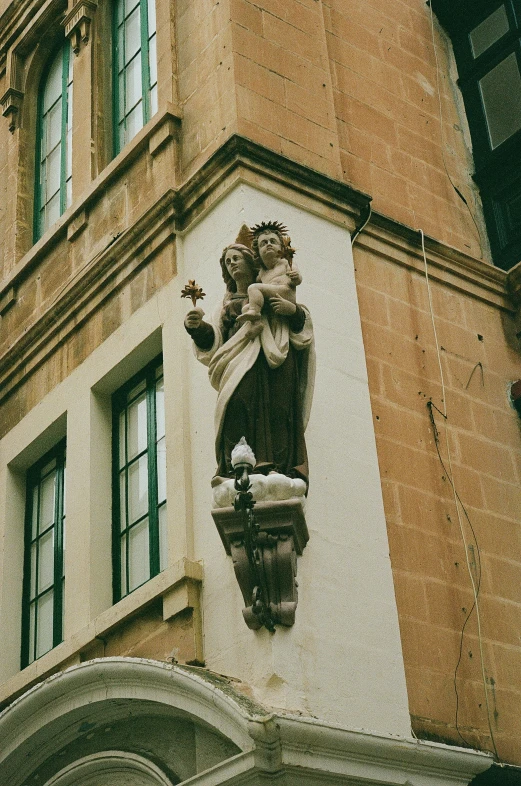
(54, 142)
(135, 68)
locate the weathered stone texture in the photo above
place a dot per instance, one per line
(432, 583)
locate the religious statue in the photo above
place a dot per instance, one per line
(260, 355)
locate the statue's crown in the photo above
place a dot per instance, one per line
(268, 226)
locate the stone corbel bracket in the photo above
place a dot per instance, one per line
(283, 534)
(77, 23)
(11, 103)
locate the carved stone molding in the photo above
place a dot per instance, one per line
(77, 23)
(283, 534)
(11, 103)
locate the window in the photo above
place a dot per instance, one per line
(139, 480)
(487, 44)
(54, 142)
(42, 612)
(135, 68)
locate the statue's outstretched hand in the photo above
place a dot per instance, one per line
(194, 318)
(281, 306)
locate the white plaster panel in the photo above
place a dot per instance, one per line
(342, 659)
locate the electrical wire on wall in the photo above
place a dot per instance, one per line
(448, 470)
(365, 217)
(440, 110)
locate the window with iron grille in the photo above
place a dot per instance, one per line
(43, 591)
(486, 36)
(139, 480)
(135, 68)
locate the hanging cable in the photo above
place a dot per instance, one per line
(457, 502)
(365, 217)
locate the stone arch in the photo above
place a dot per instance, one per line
(110, 768)
(178, 720)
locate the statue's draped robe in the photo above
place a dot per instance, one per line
(265, 386)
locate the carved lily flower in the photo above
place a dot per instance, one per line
(193, 291)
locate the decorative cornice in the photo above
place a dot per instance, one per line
(77, 23)
(238, 151)
(402, 245)
(22, 22)
(22, 27)
(239, 160)
(109, 270)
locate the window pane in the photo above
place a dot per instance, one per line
(53, 171)
(122, 502)
(52, 211)
(53, 122)
(137, 427)
(53, 84)
(138, 489)
(138, 555)
(501, 96)
(44, 624)
(124, 588)
(33, 571)
(122, 453)
(160, 409)
(151, 17)
(489, 31)
(152, 59)
(55, 139)
(121, 48)
(32, 612)
(46, 561)
(161, 470)
(139, 388)
(130, 5)
(68, 165)
(48, 467)
(34, 513)
(132, 35)
(134, 122)
(47, 490)
(133, 88)
(163, 538)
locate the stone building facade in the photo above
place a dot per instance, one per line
(344, 120)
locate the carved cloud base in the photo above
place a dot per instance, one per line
(282, 535)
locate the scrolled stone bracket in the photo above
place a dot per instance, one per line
(281, 535)
(77, 23)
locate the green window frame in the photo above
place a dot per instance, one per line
(134, 68)
(53, 181)
(139, 545)
(44, 577)
(486, 37)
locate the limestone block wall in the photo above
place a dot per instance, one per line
(479, 355)
(352, 89)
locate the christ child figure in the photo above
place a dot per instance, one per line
(277, 279)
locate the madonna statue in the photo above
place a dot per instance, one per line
(260, 358)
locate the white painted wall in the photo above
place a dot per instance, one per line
(342, 660)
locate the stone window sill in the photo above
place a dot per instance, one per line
(173, 585)
(159, 131)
